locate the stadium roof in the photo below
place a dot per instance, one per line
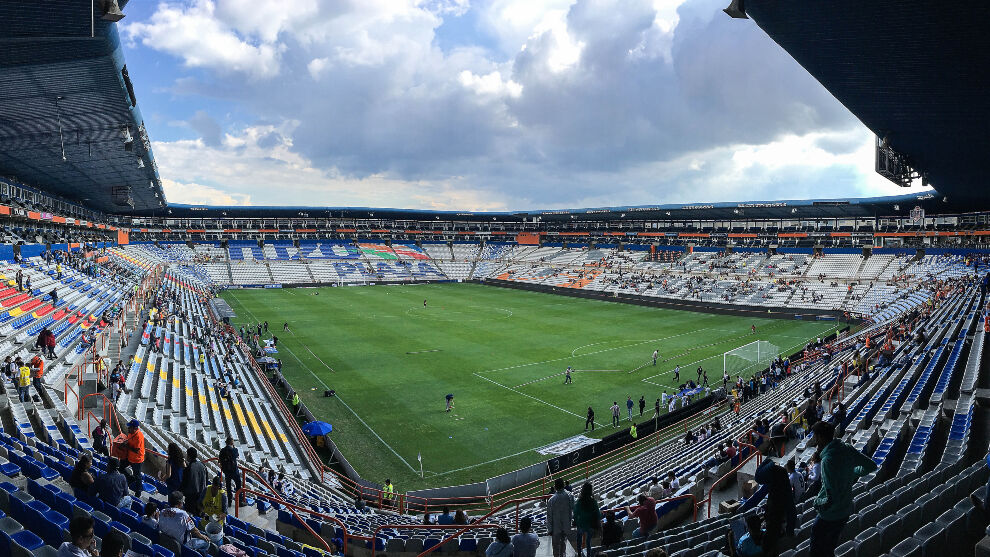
(890, 206)
(67, 107)
(914, 71)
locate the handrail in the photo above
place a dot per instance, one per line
(727, 474)
(374, 535)
(480, 520)
(666, 500)
(292, 508)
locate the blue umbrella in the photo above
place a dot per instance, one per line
(315, 429)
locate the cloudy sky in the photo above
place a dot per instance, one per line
(483, 105)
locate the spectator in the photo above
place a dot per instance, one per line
(229, 466)
(780, 513)
(150, 518)
(656, 490)
(611, 531)
(460, 518)
(796, 479)
(175, 467)
(675, 485)
(841, 465)
(587, 517)
(113, 544)
(194, 482)
(646, 512)
(427, 519)
(112, 486)
(750, 544)
(445, 517)
(560, 510)
(101, 438)
(525, 543)
(502, 546)
(81, 480)
(215, 500)
(176, 523)
(135, 454)
(37, 372)
(82, 535)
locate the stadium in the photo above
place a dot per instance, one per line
(794, 377)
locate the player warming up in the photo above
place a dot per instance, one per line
(753, 327)
(450, 401)
(567, 375)
(656, 353)
(424, 303)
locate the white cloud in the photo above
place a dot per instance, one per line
(258, 166)
(561, 103)
(490, 84)
(195, 34)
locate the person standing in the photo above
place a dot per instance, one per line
(450, 401)
(229, 467)
(194, 482)
(656, 353)
(656, 408)
(135, 454)
(615, 414)
(560, 511)
(100, 438)
(590, 420)
(567, 375)
(587, 518)
(642, 405)
(841, 465)
(629, 407)
(677, 373)
(23, 382)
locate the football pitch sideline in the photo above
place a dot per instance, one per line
(502, 353)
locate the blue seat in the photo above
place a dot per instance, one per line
(159, 551)
(468, 544)
(53, 533)
(141, 548)
(27, 539)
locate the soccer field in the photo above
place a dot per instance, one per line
(501, 352)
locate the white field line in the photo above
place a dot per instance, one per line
(526, 395)
(325, 386)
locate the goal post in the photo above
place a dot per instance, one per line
(749, 357)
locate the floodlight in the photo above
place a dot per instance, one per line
(111, 11)
(737, 9)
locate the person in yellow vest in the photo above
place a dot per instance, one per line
(632, 431)
(215, 500)
(388, 492)
(295, 403)
(23, 382)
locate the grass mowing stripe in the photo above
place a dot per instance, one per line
(400, 396)
(325, 386)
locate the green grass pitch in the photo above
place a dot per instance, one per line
(501, 352)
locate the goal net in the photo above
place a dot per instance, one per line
(749, 358)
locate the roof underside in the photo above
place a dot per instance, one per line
(46, 52)
(916, 72)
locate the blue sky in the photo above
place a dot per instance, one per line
(501, 105)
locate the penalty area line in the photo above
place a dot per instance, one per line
(551, 376)
(526, 395)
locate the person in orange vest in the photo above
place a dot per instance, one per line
(135, 453)
(37, 372)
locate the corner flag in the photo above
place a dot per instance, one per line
(419, 457)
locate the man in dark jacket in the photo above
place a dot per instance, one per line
(194, 482)
(228, 465)
(780, 515)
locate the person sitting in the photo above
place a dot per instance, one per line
(150, 518)
(445, 517)
(611, 531)
(112, 486)
(81, 480)
(176, 523)
(82, 538)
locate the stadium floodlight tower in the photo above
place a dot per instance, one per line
(749, 357)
